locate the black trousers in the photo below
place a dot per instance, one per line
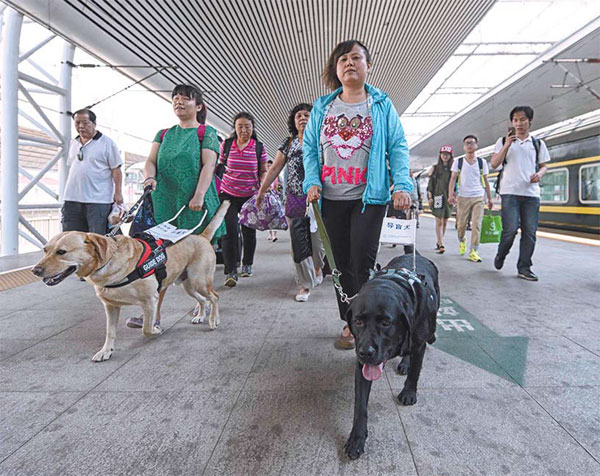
(229, 243)
(354, 237)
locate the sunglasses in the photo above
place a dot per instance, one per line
(80, 155)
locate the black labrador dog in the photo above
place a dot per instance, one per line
(394, 314)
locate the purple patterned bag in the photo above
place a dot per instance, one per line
(295, 205)
(268, 217)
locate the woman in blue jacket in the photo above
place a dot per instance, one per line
(350, 136)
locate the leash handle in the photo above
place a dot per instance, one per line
(335, 273)
(131, 212)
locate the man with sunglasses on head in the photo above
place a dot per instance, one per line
(95, 177)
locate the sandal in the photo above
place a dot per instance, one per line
(440, 249)
(345, 342)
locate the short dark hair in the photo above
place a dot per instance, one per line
(245, 115)
(329, 74)
(528, 111)
(89, 112)
(470, 136)
(193, 93)
(292, 117)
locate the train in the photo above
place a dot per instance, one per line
(570, 190)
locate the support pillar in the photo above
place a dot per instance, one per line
(9, 210)
(65, 119)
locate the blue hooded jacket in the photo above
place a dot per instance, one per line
(387, 140)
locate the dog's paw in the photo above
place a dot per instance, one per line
(355, 446)
(407, 397)
(213, 323)
(403, 368)
(154, 331)
(102, 355)
(199, 319)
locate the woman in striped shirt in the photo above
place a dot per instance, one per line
(245, 160)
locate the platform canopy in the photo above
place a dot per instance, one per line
(562, 83)
(262, 56)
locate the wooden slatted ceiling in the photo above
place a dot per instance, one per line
(264, 56)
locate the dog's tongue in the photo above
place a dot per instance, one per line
(372, 372)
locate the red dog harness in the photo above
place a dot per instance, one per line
(152, 262)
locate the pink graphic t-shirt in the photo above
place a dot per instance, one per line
(346, 142)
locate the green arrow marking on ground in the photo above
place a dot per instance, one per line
(463, 336)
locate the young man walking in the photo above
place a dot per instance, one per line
(471, 173)
(523, 160)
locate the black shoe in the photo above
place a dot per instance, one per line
(498, 262)
(231, 280)
(528, 275)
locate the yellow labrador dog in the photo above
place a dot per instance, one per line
(105, 261)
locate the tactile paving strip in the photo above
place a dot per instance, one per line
(17, 277)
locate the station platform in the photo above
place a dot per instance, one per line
(511, 387)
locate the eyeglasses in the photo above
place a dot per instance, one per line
(470, 142)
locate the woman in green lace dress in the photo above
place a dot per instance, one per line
(437, 194)
(179, 174)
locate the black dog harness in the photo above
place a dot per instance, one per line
(402, 274)
(152, 262)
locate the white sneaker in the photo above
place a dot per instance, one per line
(319, 279)
(302, 296)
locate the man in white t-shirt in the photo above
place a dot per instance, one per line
(472, 172)
(95, 177)
(522, 159)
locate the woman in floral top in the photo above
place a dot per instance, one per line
(309, 270)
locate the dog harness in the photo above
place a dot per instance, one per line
(152, 262)
(402, 274)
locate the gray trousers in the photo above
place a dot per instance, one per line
(305, 270)
(88, 217)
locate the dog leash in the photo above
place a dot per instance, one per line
(335, 273)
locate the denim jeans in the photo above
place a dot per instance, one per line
(519, 211)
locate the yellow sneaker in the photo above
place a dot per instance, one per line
(474, 256)
(462, 247)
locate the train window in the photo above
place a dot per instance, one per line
(589, 183)
(555, 186)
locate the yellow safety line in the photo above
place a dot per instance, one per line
(574, 161)
(577, 210)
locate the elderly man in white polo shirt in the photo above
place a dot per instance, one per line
(523, 159)
(95, 177)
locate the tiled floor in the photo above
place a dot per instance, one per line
(267, 394)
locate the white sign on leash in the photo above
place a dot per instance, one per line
(398, 232)
(166, 231)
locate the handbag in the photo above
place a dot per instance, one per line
(491, 228)
(268, 217)
(144, 218)
(300, 236)
(295, 205)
